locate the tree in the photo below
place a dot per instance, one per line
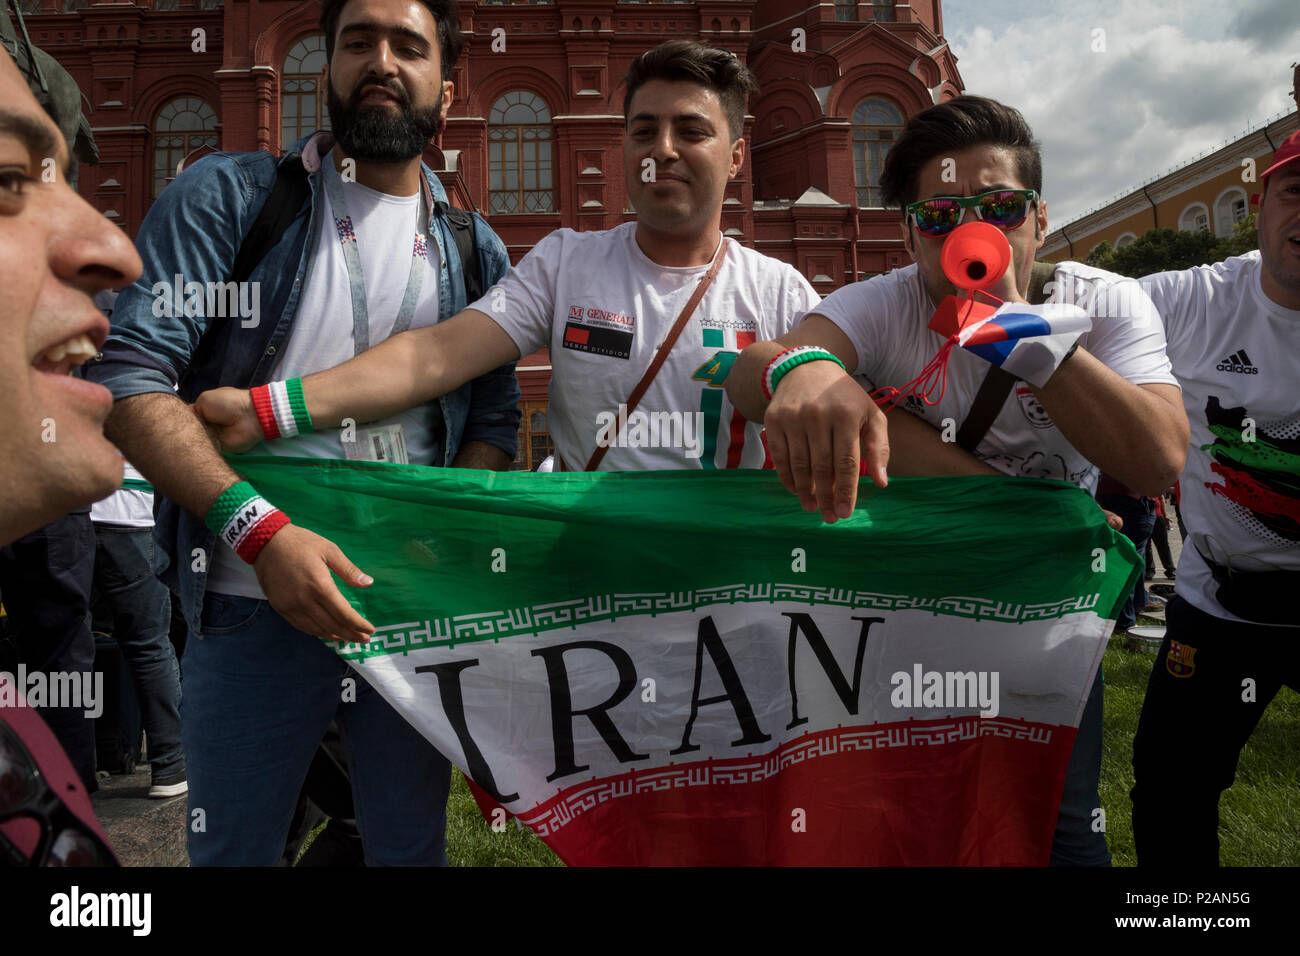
(1161, 250)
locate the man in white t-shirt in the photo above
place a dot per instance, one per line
(1233, 634)
(604, 302)
(126, 565)
(1112, 404)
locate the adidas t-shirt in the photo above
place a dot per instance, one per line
(887, 318)
(322, 335)
(1237, 355)
(603, 308)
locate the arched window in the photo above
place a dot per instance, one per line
(1195, 218)
(182, 126)
(876, 124)
(1229, 209)
(519, 154)
(1125, 240)
(302, 91)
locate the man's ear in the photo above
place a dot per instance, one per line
(448, 96)
(1040, 225)
(737, 158)
(906, 227)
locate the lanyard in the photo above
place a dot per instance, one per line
(356, 279)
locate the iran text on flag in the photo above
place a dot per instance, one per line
(686, 668)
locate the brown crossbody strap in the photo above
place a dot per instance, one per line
(662, 353)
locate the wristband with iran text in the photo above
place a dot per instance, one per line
(244, 520)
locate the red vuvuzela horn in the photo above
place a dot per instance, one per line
(975, 256)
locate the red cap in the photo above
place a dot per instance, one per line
(1288, 152)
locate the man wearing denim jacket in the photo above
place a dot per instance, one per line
(260, 688)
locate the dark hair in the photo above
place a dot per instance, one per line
(692, 61)
(445, 12)
(950, 127)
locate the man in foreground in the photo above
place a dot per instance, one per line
(1113, 394)
(1234, 629)
(260, 688)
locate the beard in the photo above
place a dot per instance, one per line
(373, 134)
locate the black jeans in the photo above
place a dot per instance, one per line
(45, 578)
(1194, 723)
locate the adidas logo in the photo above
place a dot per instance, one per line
(1239, 362)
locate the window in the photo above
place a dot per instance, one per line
(846, 10)
(882, 11)
(876, 124)
(302, 91)
(534, 437)
(183, 125)
(519, 154)
(1229, 209)
(1195, 218)
(1125, 240)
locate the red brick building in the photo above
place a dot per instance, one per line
(534, 137)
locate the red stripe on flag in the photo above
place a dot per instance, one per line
(576, 335)
(981, 801)
(737, 446)
(744, 339)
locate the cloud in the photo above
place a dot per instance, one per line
(1122, 91)
(1266, 24)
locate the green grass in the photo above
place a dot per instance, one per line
(1259, 825)
(1258, 822)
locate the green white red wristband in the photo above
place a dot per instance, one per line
(281, 409)
(244, 520)
(785, 361)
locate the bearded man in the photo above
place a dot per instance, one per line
(371, 251)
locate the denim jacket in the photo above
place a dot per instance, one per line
(194, 230)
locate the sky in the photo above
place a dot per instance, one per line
(1168, 79)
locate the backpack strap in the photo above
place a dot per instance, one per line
(998, 383)
(462, 229)
(291, 190)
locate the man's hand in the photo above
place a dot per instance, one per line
(230, 415)
(294, 571)
(816, 424)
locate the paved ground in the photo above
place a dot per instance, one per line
(143, 832)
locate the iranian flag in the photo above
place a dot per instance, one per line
(686, 668)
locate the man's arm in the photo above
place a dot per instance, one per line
(817, 420)
(1137, 434)
(401, 372)
(166, 441)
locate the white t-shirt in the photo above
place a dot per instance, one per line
(130, 506)
(603, 308)
(1237, 355)
(887, 318)
(385, 228)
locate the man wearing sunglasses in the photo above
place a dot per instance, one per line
(1111, 404)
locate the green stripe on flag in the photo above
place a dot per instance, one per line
(985, 547)
(136, 484)
(713, 338)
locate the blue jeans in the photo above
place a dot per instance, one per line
(1076, 843)
(1139, 516)
(126, 575)
(259, 695)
